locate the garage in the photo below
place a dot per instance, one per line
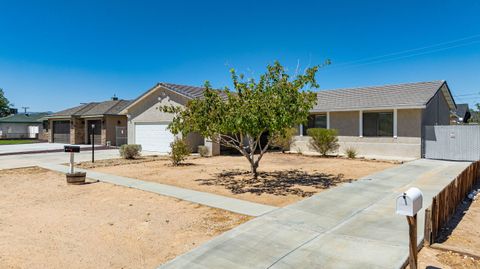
(153, 136)
(61, 132)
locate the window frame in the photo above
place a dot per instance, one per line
(384, 124)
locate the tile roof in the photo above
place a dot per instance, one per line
(189, 91)
(23, 118)
(387, 96)
(111, 107)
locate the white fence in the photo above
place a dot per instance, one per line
(452, 142)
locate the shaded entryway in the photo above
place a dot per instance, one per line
(61, 132)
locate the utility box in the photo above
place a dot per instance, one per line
(410, 202)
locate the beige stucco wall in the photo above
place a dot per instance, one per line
(345, 122)
(407, 144)
(111, 124)
(409, 122)
(147, 111)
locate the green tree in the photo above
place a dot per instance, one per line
(4, 105)
(238, 119)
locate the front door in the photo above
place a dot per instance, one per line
(97, 132)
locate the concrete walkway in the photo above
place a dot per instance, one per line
(208, 199)
(351, 226)
(37, 147)
(25, 160)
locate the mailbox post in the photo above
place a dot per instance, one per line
(93, 143)
(72, 177)
(408, 204)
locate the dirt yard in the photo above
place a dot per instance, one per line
(461, 234)
(284, 178)
(45, 223)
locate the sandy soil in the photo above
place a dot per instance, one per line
(432, 259)
(45, 223)
(462, 231)
(284, 178)
(461, 234)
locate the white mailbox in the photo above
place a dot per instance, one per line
(410, 202)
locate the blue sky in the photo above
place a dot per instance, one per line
(56, 54)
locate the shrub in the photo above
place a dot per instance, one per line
(203, 151)
(179, 151)
(323, 140)
(283, 141)
(131, 151)
(351, 153)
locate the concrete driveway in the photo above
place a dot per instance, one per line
(24, 160)
(351, 226)
(34, 147)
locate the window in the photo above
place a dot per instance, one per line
(378, 124)
(316, 121)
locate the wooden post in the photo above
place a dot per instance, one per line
(412, 230)
(71, 163)
(427, 240)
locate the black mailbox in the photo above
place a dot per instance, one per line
(72, 148)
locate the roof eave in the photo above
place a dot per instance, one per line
(368, 108)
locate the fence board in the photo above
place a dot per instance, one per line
(445, 203)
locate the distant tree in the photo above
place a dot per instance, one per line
(270, 106)
(4, 105)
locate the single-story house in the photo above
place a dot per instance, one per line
(381, 121)
(461, 115)
(77, 124)
(23, 125)
(147, 124)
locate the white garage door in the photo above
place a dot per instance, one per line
(153, 137)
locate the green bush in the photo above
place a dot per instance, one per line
(323, 141)
(283, 141)
(131, 151)
(351, 153)
(179, 151)
(203, 151)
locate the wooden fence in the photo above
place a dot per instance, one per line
(446, 202)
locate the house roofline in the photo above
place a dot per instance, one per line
(148, 93)
(367, 108)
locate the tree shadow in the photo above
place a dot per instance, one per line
(282, 183)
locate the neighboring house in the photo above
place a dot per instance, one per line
(147, 124)
(74, 125)
(461, 115)
(384, 121)
(24, 125)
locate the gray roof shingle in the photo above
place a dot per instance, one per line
(387, 96)
(111, 107)
(189, 91)
(23, 118)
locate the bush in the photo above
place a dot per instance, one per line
(203, 151)
(131, 151)
(323, 140)
(351, 153)
(180, 151)
(285, 140)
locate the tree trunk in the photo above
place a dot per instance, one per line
(253, 167)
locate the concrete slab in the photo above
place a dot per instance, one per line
(351, 226)
(36, 147)
(208, 199)
(25, 160)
